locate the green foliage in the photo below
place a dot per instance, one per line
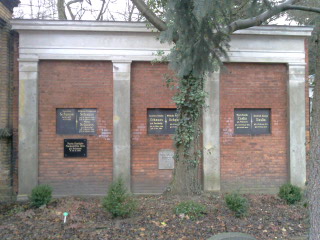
(118, 202)
(40, 195)
(238, 204)
(290, 193)
(190, 208)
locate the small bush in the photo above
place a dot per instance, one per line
(238, 204)
(40, 195)
(290, 193)
(191, 209)
(118, 202)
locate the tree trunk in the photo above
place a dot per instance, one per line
(314, 166)
(186, 175)
(61, 10)
(190, 100)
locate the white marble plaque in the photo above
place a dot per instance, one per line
(166, 160)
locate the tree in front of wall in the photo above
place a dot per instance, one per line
(200, 31)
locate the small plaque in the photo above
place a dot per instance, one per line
(162, 121)
(81, 121)
(75, 147)
(242, 121)
(261, 121)
(166, 159)
(87, 121)
(66, 121)
(252, 121)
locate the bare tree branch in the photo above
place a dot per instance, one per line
(150, 16)
(258, 20)
(303, 8)
(69, 8)
(101, 10)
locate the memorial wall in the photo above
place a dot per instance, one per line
(75, 120)
(254, 153)
(90, 112)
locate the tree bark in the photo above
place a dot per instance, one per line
(314, 166)
(61, 10)
(186, 174)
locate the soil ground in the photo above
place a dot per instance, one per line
(269, 218)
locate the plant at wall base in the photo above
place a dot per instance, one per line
(238, 204)
(290, 193)
(5, 133)
(191, 209)
(118, 202)
(40, 195)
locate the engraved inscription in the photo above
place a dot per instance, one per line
(75, 147)
(66, 121)
(77, 121)
(252, 121)
(166, 159)
(87, 121)
(162, 121)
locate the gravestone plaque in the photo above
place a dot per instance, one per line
(166, 160)
(75, 147)
(260, 121)
(252, 121)
(81, 121)
(87, 121)
(66, 121)
(162, 121)
(242, 121)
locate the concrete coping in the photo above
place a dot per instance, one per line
(108, 26)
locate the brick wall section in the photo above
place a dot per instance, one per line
(75, 84)
(5, 102)
(254, 163)
(15, 112)
(308, 136)
(148, 90)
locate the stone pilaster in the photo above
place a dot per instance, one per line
(211, 134)
(28, 126)
(297, 124)
(121, 122)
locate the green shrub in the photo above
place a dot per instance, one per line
(191, 209)
(238, 204)
(118, 202)
(290, 193)
(40, 195)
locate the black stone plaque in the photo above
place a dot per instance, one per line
(87, 121)
(162, 121)
(261, 121)
(66, 121)
(77, 121)
(75, 147)
(242, 121)
(252, 121)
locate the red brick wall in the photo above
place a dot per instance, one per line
(148, 90)
(254, 162)
(308, 124)
(15, 111)
(75, 84)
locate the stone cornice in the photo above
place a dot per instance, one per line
(94, 26)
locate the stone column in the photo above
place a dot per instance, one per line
(211, 134)
(297, 124)
(121, 122)
(28, 126)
